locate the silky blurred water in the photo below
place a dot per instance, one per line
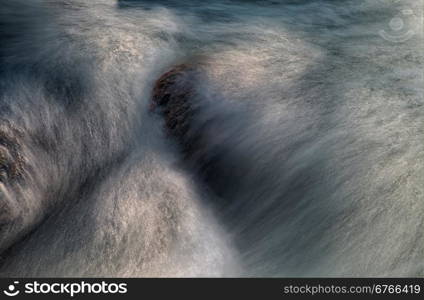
(312, 109)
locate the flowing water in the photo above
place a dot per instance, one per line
(314, 108)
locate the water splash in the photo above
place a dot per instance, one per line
(314, 119)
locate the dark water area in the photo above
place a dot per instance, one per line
(311, 113)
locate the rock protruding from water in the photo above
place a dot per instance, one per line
(11, 159)
(177, 98)
(172, 93)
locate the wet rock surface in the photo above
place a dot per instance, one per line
(176, 97)
(173, 94)
(11, 158)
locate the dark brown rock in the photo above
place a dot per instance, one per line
(11, 158)
(174, 95)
